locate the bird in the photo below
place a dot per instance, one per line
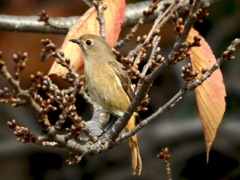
(109, 86)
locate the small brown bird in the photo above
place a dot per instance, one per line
(109, 85)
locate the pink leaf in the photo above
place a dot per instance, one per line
(87, 24)
(211, 94)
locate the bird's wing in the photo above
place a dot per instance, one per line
(124, 78)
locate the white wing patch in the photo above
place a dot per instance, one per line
(119, 84)
(118, 113)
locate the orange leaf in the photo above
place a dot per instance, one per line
(87, 24)
(211, 94)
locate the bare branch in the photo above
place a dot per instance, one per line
(227, 55)
(87, 3)
(133, 13)
(31, 24)
(100, 7)
(91, 137)
(146, 15)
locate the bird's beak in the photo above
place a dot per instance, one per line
(75, 41)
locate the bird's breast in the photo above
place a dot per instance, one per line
(105, 88)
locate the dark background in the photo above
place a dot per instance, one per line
(180, 129)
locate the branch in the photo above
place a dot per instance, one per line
(31, 24)
(149, 79)
(227, 55)
(133, 13)
(82, 137)
(100, 7)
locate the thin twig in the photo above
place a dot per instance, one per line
(161, 19)
(187, 27)
(140, 22)
(30, 24)
(165, 156)
(87, 3)
(227, 55)
(155, 44)
(146, 83)
(100, 7)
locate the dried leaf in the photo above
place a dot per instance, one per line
(87, 24)
(211, 94)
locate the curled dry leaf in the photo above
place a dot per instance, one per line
(87, 24)
(211, 94)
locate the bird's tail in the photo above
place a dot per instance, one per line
(134, 150)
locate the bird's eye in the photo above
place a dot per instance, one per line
(88, 42)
